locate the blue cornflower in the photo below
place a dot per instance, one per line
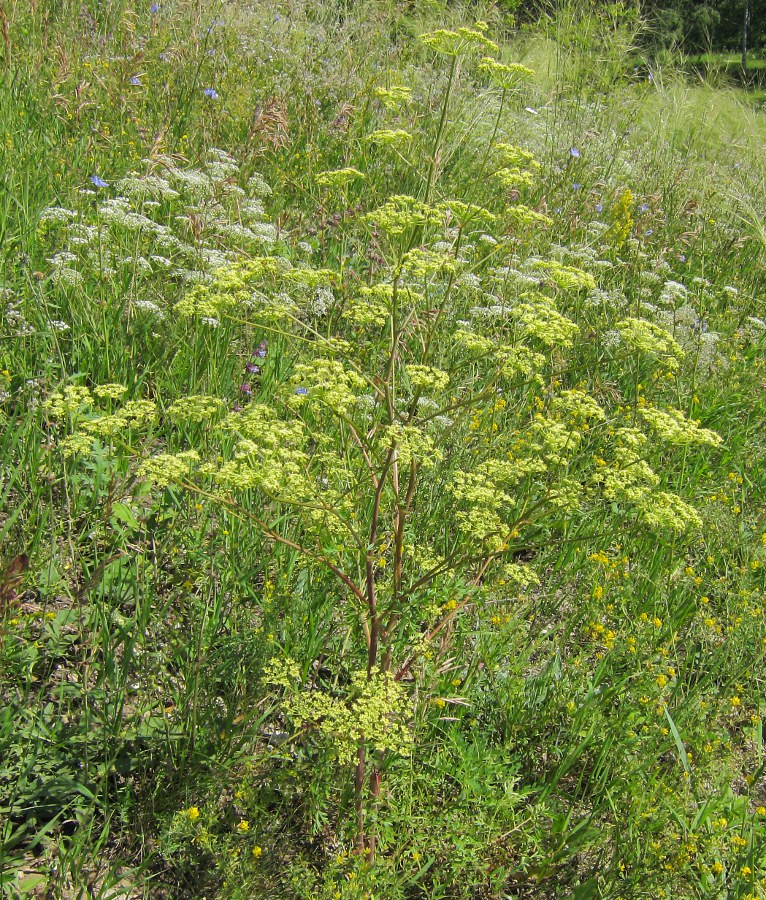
(211, 92)
(99, 182)
(301, 391)
(599, 207)
(135, 80)
(574, 152)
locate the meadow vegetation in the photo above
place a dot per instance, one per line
(383, 466)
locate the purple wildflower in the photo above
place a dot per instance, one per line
(211, 92)
(301, 391)
(599, 207)
(135, 80)
(99, 182)
(154, 8)
(252, 369)
(576, 186)
(574, 152)
(245, 388)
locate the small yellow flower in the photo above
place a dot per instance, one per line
(761, 810)
(745, 871)
(735, 701)
(244, 826)
(716, 868)
(257, 852)
(193, 813)
(657, 622)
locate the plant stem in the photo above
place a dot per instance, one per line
(432, 168)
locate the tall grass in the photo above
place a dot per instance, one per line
(407, 625)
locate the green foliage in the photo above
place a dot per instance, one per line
(384, 440)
